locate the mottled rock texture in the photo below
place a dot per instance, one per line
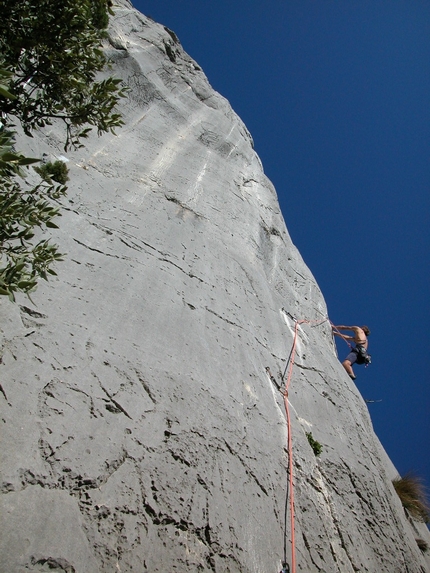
(140, 430)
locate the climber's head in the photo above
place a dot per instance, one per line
(366, 330)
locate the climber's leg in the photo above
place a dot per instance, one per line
(348, 362)
(347, 365)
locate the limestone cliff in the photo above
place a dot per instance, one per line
(140, 429)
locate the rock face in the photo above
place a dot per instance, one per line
(140, 429)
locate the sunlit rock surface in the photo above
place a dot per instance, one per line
(140, 429)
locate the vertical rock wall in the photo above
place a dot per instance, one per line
(140, 430)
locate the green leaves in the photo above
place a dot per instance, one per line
(50, 58)
(10, 160)
(316, 446)
(5, 77)
(24, 268)
(56, 171)
(23, 209)
(53, 53)
(5, 92)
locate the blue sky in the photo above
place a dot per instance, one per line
(336, 94)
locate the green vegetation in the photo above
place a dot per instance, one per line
(423, 545)
(50, 57)
(412, 494)
(316, 446)
(22, 209)
(52, 51)
(56, 171)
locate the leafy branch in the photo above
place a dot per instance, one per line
(51, 57)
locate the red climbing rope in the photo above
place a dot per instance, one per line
(290, 440)
(290, 449)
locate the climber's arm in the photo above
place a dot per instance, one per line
(344, 336)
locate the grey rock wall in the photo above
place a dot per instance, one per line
(140, 429)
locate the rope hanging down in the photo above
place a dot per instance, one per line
(290, 485)
(290, 452)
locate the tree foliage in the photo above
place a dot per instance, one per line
(22, 208)
(50, 57)
(53, 171)
(53, 51)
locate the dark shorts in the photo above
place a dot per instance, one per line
(352, 357)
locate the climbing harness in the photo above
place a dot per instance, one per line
(363, 357)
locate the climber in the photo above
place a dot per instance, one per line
(358, 354)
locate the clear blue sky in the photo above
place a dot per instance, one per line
(336, 95)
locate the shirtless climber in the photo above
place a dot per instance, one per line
(358, 354)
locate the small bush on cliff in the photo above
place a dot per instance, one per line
(316, 446)
(56, 171)
(50, 56)
(413, 496)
